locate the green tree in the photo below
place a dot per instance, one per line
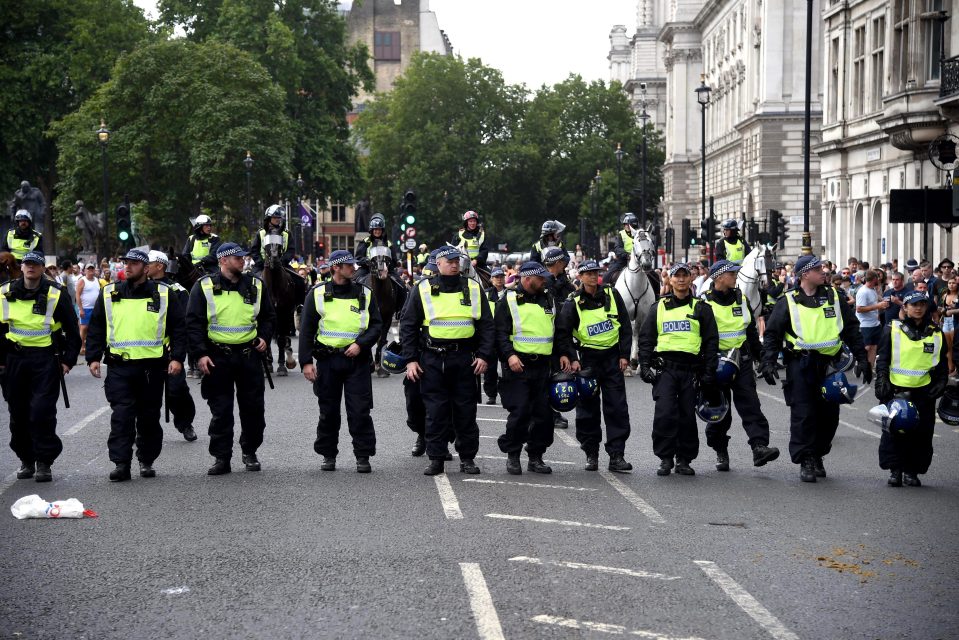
(182, 117)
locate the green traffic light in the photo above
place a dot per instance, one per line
(124, 236)
(410, 219)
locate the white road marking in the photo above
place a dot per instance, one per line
(490, 437)
(565, 523)
(451, 506)
(595, 567)
(566, 438)
(504, 458)
(174, 591)
(842, 422)
(481, 602)
(632, 497)
(529, 484)
(746, 602)
(491, 419)
(90, 418)
(8, 482)
(603, 627)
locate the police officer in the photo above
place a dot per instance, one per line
(202, 245)
(273, 225)
(23, 238)
(731, 247)
(339, 326)
(423, 256)
(737, 332)
(494, 294)
(178, 396)
(39, 342)
(551, 235)
(775, 290)
(593, 331)
(447, 335)
(230, 321)
(559, 285)
(623, 247)
(678, 350)
(377, 238)
(471, 239)
(524, 335)
(911, 361)
(131, 324)
(814, 322)
(325, 273)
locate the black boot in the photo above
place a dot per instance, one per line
(328, 464)
(436, 467)
(44, 474)
(220, 467)
(722, 460)
(121, 472)
(683, 468)
(363, 464)
(26, 470)
(513, 465)
(419, 447)
(820, 469)
(251, 462)
(618, 464)
(189, 434)
(908, 479)
(536, 465)
(807, 472)
(592, 462)
(895, 478)
(559, 422)
(763, 454)
(468, 466)
(147, 470)
(665, 467)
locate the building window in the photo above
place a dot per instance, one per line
(932, 38)
(386, 45)
(878, 60)
(901, 20)
(834, 81)
(341, 242)
(338, 213)
(859, 71)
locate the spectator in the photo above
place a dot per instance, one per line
(842, 284)
(87, 291)
(868, 306)
(68, 280)
(949, 307)
(917, 278)
(935, 286)
(894, 294)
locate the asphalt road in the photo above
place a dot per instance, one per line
(294, 552)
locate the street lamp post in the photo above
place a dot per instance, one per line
(702, 96)
(299, 200)
(806, 236)
(619, 178)
(644, 117)
(594, 189)
(103, 138)
(248, 165)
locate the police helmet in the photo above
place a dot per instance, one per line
(377, 222)
(470, 215)
(842, 361)
(837, 388)
(731, 225)
(392, 360)
(630, 219)
(586, 384)
(552, 227)
(728, 367)
(711, 413)
(899, 416)
(23, 214)
(563, 392)
(202, 220)
(273, 211)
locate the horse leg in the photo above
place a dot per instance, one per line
(280, 346)
(290, 360)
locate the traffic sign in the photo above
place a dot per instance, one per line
(410, 243)
(410, 232)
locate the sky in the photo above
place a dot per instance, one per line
(533, 42)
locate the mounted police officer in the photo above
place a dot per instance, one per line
(447, 335)
(339, 326)
(23, 238)
(739, 342)
(273, 226)
(202, 245)
(678, 351)
(494, 294)
(39, 342)
(230, 321)
(423, 256)
(559, 285)
(132, 323)
(471, 239)
(731, 247)
(178, 396)
(593, 331)
(911, 362)
(814, 322)
(551, 235)
(623, 247)
(377, 238)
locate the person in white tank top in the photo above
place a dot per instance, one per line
(88, 290)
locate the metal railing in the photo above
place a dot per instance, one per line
(949, 77)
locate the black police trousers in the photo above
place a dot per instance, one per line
(742, 394)
(675, 433)
(526, 397)
(812, 420)
(134, 389)
(612, 395)
(32, 388)
(180, 401)
(491, 379)
(911, 453)
(448, 388)
(242, 368)
(338, 377)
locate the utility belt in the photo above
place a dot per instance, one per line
(115, 359)
(680, 364)
(447, 346)
(598, 354)
(244, 348)
(15, 347)
(534, 359)
(323, 351)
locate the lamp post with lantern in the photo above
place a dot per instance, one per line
(703, 92)
(248, 165)
(103, 139)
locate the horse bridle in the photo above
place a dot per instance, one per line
(638, 268)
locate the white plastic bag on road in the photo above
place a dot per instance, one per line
(36, 507)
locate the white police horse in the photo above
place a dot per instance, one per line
(751, 278)
(635, 288)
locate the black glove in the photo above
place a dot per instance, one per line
(883, 389)
(769, 373)
(647, 375)
(864, 371)
(936, 389)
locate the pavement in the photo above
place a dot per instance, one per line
(295, 552)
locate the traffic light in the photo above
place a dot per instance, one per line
(687, 236)
(408, 209)
(716, 231)
(704, 230)
(783, 229)
(124, 224)
(774, 227)
(670, 235)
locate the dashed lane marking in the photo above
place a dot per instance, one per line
(529, 484)
(746, 602)
(619, 571)
(492, 419)
(481, 602)
(504, 458)
(90, 418)
(565, 523)
(842, 422)
(175, 591)
(603, 627)
(451, 506)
